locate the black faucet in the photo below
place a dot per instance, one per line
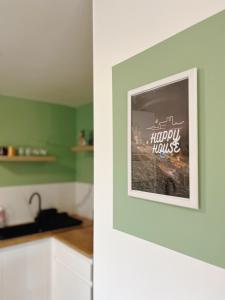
(39, 201)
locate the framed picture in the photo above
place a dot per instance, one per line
(162, 140)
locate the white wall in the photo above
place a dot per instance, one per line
(127, 267)
(72, 197)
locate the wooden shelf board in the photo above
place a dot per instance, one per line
(87, 148)
(27, 158)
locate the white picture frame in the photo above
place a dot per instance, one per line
(182, 193)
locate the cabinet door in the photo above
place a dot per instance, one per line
(26, 271)
(71, 274)
(67, 285)
(38, 260)
(14, 269)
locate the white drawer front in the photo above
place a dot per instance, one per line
(68, 286)
(79, 264)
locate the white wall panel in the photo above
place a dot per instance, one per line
(126, 267)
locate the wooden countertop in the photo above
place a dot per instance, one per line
(80, 238)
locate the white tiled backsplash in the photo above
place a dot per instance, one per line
(71, 197)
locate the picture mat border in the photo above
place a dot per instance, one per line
(192, 201)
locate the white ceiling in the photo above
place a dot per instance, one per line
(46, 50)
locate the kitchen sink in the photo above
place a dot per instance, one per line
(18, 230)
(53, 220)
(46, 220)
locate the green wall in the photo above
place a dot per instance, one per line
(84, 160)
(36, 124)
(197, 233)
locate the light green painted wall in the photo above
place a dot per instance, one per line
(84, 161)
(197, 233)
(31, 123)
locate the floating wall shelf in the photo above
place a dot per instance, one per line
(27, 158)
(86, 148)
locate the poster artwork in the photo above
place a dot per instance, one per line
(159, 142)
(160, 145)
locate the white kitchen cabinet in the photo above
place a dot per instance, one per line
(71, 274)
(26, 271)
(45, 269)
